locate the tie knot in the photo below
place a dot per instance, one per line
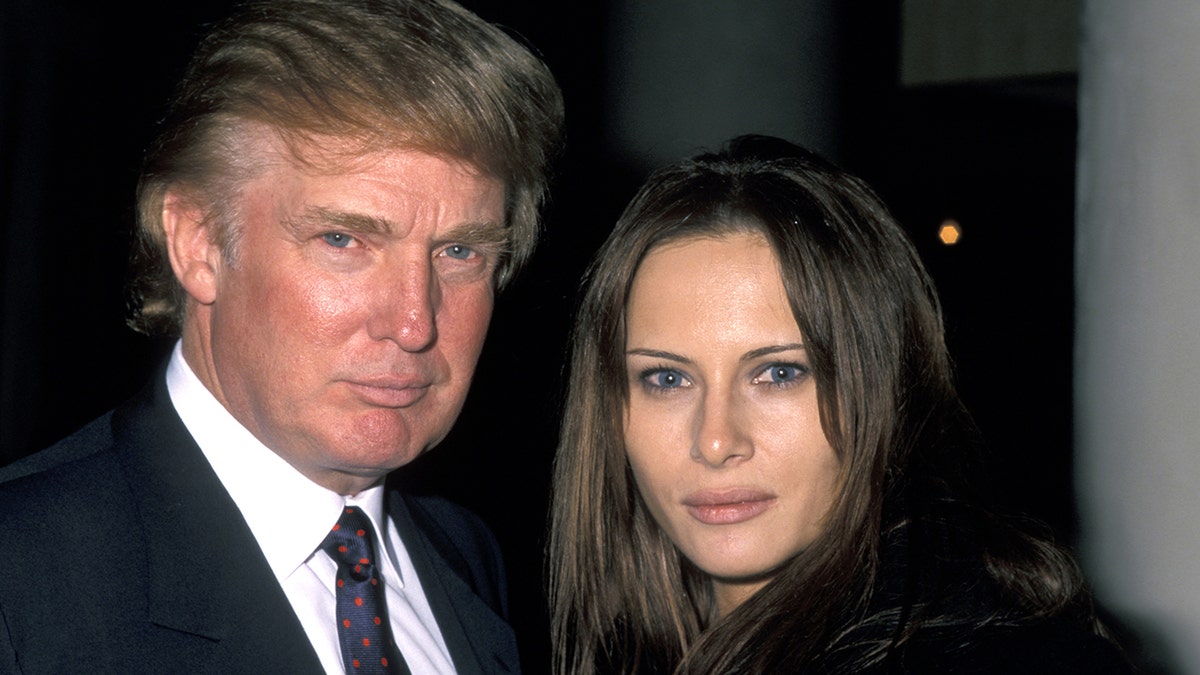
(351, 544)
(364, 634)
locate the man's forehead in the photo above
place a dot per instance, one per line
(324, 181)
(327, 154)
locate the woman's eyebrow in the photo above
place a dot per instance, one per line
(659, 354)
(772, 349)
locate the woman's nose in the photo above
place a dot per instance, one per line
(721, 437)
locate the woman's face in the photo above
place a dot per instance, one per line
(722, 428)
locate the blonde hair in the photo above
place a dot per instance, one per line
(419, 74)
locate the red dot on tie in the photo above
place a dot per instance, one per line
(355, 662)
(341, 582)
(349, 510)
(383, 662)
(377, 621)
(358, 568)
(341, 549)
(365, 561)
(366, 642)
(361, 532)
(374, 581)
(357, 603)
(346, 623)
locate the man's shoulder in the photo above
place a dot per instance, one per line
(145, 422)
(74, 488)
(65, 456)
(74, 495)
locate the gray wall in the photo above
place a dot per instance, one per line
(1138, 316)
(685, 75)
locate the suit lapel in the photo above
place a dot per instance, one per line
(479, 639)
(207, 576)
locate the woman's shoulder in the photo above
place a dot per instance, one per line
(1049, 646)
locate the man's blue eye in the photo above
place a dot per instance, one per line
(337, 239)
(459, 252)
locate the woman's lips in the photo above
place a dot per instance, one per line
(727, 507)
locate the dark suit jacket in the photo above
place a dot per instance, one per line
(121, 552)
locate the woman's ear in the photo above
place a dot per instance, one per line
(194, 255)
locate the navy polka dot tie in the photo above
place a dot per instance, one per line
(362, 622)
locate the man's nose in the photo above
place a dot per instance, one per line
(405, 310)
(721, 436)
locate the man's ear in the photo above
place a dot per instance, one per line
(195, 257)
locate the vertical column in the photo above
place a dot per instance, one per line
(1138, 318)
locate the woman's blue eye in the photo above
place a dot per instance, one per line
(664, 379)
(782, 373)
(337, 239)
(458, 252)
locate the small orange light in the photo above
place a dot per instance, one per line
(950, 232)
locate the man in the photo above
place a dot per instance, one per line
(336, 193)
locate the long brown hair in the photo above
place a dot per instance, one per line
(622, 598)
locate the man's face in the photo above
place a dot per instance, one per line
(344, 330)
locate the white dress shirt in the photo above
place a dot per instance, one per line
(290, 515)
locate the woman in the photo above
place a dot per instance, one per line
(763, 465)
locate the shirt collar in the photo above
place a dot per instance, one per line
(288, 514)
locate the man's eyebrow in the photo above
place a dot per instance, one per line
(319, 216)
(477, 233)
(468, 233)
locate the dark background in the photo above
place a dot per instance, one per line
(82, 83)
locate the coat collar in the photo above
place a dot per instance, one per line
(206, 575)
(479, 639)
